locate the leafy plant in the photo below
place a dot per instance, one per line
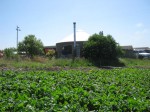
(94, 90)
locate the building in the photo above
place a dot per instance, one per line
(128, 51)
(65, 47)
(146, 49)
(46, 48)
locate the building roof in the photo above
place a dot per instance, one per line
(49, 46)
(142, 48)
(80, 36)
(127, 47)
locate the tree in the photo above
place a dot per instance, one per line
(31, 46)
(101, 49)
(9, 53)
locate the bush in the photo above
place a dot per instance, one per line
(101, 49)
(51, 53)
(9, 53)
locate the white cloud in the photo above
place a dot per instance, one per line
(139, 25)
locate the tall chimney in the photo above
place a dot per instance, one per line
(74, 25)
(74, 49)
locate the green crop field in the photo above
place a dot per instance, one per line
(75, 91)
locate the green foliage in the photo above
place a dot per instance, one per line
(31, 46)
(101, 49)
(125, 90)
(9, 53)
(50, 53)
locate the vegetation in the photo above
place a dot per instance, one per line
(9, 53)
(51, 53)
(145, 63)
(40, 84)
(101, 49)
(94, 90)
(42, 62)
(31, 46)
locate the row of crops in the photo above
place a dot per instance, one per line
(94, 90)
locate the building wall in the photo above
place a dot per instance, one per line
(128, 51)
(129, 54)
(59, 48)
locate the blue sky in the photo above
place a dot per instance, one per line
(128, 21)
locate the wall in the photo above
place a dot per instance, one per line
(59, 48)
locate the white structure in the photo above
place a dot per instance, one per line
(80, 36)
(64, 47)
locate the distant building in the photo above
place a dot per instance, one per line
(128, 51)
(146, 49)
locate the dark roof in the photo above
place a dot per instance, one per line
(50, 47)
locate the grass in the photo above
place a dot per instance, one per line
(136, 62)
(44, 63)
(39, 62)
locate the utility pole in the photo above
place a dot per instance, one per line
(18, 29)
